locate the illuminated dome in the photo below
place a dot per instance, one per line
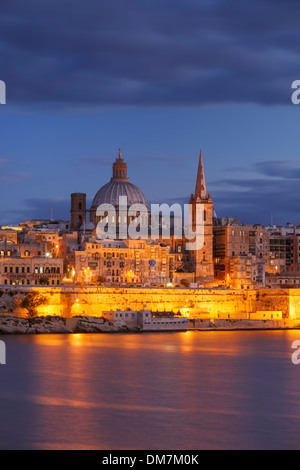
(110, 193)
(119, 185)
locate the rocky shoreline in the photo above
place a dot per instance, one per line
(11, 325)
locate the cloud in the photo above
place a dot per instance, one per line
(12, 178)
(159, 53)
(136, 162)
(274, 193)
(36, 208)
(280, 169)
(9, 176)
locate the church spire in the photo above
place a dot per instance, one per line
(200, 190)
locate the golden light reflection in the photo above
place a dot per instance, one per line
(77, 339)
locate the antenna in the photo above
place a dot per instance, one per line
(51, 214)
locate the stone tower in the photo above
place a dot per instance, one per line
(78, 210)
(203, 256)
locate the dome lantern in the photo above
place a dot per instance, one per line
(118, 186)
(120, 169)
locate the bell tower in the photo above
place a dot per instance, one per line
(203, 255)
(78, 210)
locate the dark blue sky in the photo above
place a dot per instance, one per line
(161, 79)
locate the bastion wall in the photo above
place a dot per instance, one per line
(206, 303)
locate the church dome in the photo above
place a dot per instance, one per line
(119, 185)
(110, 193)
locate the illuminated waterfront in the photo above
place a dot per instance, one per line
(195, 390)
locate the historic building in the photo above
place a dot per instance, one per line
(223, 252)
(36, 270)
(232, 239)
(201, 202)
(122, 261)
(78, 210)
(193, 257)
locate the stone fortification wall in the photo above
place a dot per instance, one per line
(207, 303)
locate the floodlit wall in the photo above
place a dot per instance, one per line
(206, 303)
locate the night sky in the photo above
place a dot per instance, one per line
(161, 79)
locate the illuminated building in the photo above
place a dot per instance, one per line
(31, 271)
(203, 256)
(127, 261)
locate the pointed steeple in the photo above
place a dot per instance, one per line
(200, 190)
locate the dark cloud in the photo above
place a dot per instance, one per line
(153, 53)
(37, 209)
(280, 169)
(274, 194)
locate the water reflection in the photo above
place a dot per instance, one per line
(194, 390)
